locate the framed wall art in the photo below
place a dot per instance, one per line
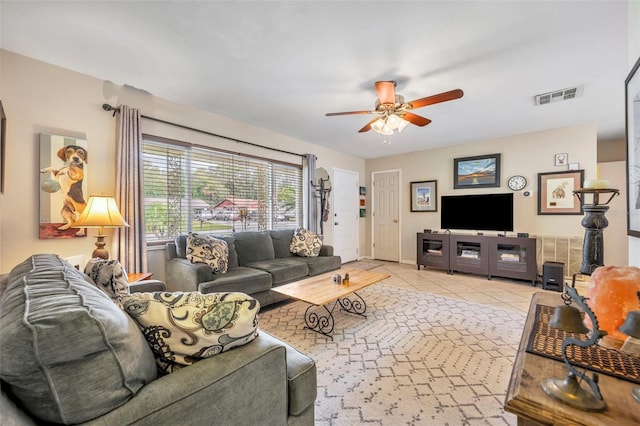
(555, 192)
(561, 159)
(482, 171)
(424, 196)
(63, 185)
(632, 97)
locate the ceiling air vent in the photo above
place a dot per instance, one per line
(558, 95)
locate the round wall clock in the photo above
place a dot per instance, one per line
(517, 182)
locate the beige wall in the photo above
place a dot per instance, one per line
(40, 97)
(612, 150)
(616, 252)
(526, 155)
(634, 54)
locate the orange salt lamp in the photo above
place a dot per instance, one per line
(612, 293)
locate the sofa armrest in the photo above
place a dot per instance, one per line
(326, 251)
(182, 275)
(147, 286)
(207, 391)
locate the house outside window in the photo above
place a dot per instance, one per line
(190, 188)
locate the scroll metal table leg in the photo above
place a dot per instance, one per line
(353, 305)
(319, 321)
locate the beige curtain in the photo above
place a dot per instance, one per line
(131, 241)
(309, 172)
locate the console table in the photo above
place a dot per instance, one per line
(526, 399)
(509, 257)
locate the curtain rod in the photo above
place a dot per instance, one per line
(115, 110)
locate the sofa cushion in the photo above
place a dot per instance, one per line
(253, 247)
(281, 242)
(183, 328)
(203, 248)
(109, 276)
(282, 270)
(69, 353)
(321, 264)
(305, 243)
(242, 279)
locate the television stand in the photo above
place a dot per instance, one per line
(493, 256)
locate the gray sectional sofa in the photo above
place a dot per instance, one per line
(258, 261)
(70, 355)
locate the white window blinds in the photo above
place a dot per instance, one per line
(195, 188)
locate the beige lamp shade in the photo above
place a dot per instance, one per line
(101, 212)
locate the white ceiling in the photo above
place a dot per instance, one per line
(283, 65)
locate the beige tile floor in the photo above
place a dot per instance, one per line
(498, 292)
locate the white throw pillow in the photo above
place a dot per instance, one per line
(110, 277)
(184, 327)
(202, 248)
(306, 243)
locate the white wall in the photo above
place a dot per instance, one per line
(39, 97)
(525, 154)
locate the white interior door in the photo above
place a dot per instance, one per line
(345, 214)
(386, 216)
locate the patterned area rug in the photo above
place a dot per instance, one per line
(417, 359)
(365, 264)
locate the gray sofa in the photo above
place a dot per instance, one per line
(74, 373)
(258, 261)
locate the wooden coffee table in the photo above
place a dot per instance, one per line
(320, 291)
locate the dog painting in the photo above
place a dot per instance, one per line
(63, 171)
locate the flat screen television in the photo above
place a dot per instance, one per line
(486, 212)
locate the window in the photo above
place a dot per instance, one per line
(200, 189)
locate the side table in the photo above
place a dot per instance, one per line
(139, 276)
(526, 399)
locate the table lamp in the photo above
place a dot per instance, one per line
(101, 212)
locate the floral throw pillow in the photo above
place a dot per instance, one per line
(110, 277)
(306, 243)
(207, 249)
(184, 327)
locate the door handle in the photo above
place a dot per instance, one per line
(335, 223)
(395, 220)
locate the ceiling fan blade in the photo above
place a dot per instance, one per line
(386, 91)
(368, 126)
(330, 114)
(434, 99)
(416, 119)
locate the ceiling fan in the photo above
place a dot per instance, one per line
(393, 113)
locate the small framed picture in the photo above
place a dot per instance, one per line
(555, 192)
(574, 166)
(562, 159)
(424, 196)
(482, 171)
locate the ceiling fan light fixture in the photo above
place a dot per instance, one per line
(393, 121)
(386, 131)
(403, 125)
(378, 125)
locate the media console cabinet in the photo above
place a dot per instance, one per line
(508, 257)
